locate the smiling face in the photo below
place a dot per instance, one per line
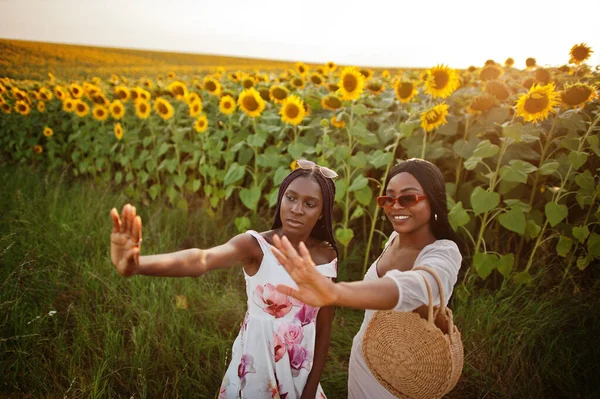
(411, 219)
(301, 206)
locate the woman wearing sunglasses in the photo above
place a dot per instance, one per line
(415, 204)
(282, 345)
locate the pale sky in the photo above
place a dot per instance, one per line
(388, 33)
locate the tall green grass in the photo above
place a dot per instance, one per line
(116, 337)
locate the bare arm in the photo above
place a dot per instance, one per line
(126, 246)
(322, 341)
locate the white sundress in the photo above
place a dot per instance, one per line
(442, 256)
(273, 353)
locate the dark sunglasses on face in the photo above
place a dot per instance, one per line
(310, 165)
(405, 200)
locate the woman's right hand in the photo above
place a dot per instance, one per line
(125, 240)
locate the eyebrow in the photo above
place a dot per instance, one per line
(307, 196)
(403, 190)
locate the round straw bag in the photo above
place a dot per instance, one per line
(415, 355)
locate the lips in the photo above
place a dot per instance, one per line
(400, 217)
(294, 222)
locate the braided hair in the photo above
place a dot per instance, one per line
(323, 230)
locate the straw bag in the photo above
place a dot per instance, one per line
(415, 355)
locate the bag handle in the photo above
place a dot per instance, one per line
(439, 284)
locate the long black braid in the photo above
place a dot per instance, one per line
(323, 230)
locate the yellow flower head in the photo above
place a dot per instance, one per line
(201, 124)
(251, 102)
(298, 82)
(22, 107)
(117, 109)
(163, 108)
(331, 67)
(45, 94)
(41, 106)
(118, 129)
(38, 149)
(316, 78)
(331, 102)
(100, 113)
(366, 73)
(76, 90)
(292, 110)
(375, 86)
(481, 104)
(195, 109)
(578, 94)
(434, 117)
(179, 90)
(68, 105)
(81, 108)
(142, 109)
(509, 62)
(302, 68)
(490, 72)
(337, 123)
(247, 82)
(405, 90)
(48, 132)
(278, 93)
(227, 105)
(497, 89)
(6, 108)
(537, 103)
(441, 81)
(579, 53)
(194, 97)
(212, 85)
(385, 74)
(351, 83)
(530, 62)
(122, 93)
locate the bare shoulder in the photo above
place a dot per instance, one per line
(246, 244)
(323, 253)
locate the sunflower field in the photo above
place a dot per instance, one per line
(518, 145)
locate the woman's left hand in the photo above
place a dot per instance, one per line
(314, 289)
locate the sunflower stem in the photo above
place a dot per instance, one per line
(424, 144)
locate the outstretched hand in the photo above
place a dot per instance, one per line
(313, 288)
(125, 240)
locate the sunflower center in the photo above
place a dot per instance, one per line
(250, 103)
(210, 86)
(247, 83)
(316, 80)
(441, 79)
(333, 102)
(162, 109)
(279, 93)
(576, 95)
(80, 107)
(143, 108)
(118, 109)
(292, 111)
(580, 53)
(405, 90)
(433, 117)
(227, 104)
(297, 82)
(537, 102)
(350, 83)
(22, 107)
(178, 90)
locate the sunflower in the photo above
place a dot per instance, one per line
(332, 87)
(20, 95)
(578, 94)
(195, 109)
(331, 102)
(45, 94)
(434, 117)
(142, 109)
(543, 76)
(122, 93)
(38, 149)
(118, 129)
(68, 105)
(322, 70)
(337, 123)
(537, 103)
(301, 68)
(81, 108)
(489, 62)
(48, 132)
(90, 89)
(248, 82)
(114, 79)
(201, 124)
(351, 83)
(22, 107)
(292, 110)
(194, 97)
(278, 93)
(163, 108)
(527, 83)
(298, 82)
(99, 113)
(316, 78)
(76, 90)
(171, 75)
(405, 90)
(579, 53)
(331, 67)
(178, 90)
(375, 86)
(251, 102)
(490, 72)
(442, 81)
(366, 73)
(264, 94)
(51, 77)
(227, 105)
(147, 83)
(96, 80)
(212, 85)
(134, 94)
(530, 62)
(123, 79)
(6, 108)
(117, 109)
(142, 94)
(497, 89)
(220, 70)
(41, 106)
(509, 62)
(564, 69)
(481, 104)
(233, 76)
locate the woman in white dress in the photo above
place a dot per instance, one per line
(415, 204)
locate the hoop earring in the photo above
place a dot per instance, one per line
(435, 216)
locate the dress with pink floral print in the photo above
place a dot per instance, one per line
(273, 353)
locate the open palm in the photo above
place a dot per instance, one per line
(125, 240)
(313, 288)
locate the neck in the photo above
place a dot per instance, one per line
(416, 239)
(294, 239)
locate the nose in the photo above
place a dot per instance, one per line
(397, 205)
(297, 208)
